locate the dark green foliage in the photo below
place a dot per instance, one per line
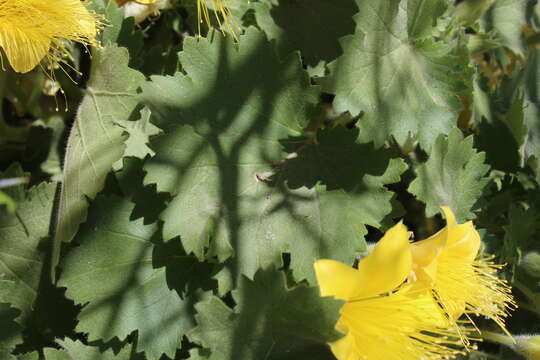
(176, 209)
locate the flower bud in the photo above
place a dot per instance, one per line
(531, 264)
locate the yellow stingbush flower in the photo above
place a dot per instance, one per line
(385, 318)
(31, 30)
(462, 283)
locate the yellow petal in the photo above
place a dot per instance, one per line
(388, 265)
(337, 279)
(380, 272)
(464, 241)
(344, 348)
(447, 263)
(425, 252)
(449, 215)
(31, 30)
(402, 326)
(424, 255)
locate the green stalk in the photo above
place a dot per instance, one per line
(497, 338)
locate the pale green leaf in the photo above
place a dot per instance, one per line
(139, 132)
(392, 70)
(453, 176)
(95, 142)
(506, 18)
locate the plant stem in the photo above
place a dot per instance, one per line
(487, 355)
(497, 338)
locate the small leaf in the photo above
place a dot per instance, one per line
(139, 132)
(453, 176)
(121, 30)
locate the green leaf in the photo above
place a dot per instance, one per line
(75, 350)
(118, 272)
(522, 225)
(454, 175)
(467, 12)
(21, 237)
(506, 17)
(120, 30)
(217, 166)
(139, 132)
(29, 356)
(311, 26)
(95, 142)
(148, 203)
(502, 137)
(532, 110)
(234, 135)
(269, 322)
(10, 331)
(53, 163)
(198, 354)
(392, 70)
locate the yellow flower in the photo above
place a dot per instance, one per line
(31, 30)
(384, 318)
(462, 283)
